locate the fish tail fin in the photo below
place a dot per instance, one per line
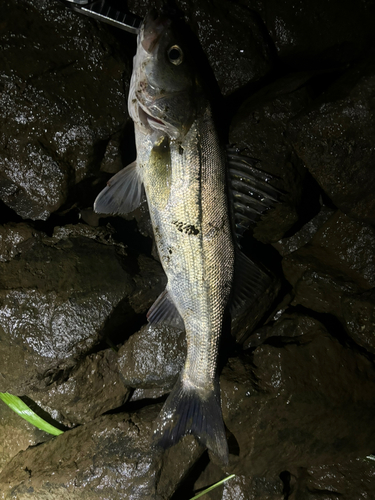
(189, 410)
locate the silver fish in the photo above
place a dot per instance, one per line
(181, 166)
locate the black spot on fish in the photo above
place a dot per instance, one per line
(186, 228)
(181, 150)
(170, 251)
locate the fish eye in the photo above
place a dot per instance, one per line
(175, 55)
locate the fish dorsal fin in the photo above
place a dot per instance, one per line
(250, 282)
(250, 191)
(123, 192)
(163, 310)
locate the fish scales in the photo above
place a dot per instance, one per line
(194, 241)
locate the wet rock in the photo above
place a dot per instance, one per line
(16, 434)
(334, 138)
(345, 245)
(111, 162)
(334, 274)
(152, 357)
(12, 240)
(308, 32)
(155, 393)
(150, 282)
(358, 318)
(177, 464)
(59, 104)
(239, 487)
(265, 488)
(288, 245)
(55, 300)
(234, 41)
(112, 457)
(292, 325)
(92, 387)
(260, 126)
(231, 35)
(298, 403)
(347, 480)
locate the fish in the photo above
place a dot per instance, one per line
(181, 168)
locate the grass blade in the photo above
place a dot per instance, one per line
(18, 406)
(212, 487)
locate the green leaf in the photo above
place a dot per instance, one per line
(17, 405)
(213, 487)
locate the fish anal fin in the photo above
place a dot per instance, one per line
(163, 310)
(123, 192)
(189, 410)
(250, 282)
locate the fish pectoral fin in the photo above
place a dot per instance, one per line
(250, 283)
(189, 410)
(163, 310)
(250, 191)
(123, 192)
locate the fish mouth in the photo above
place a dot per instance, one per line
(156, 124)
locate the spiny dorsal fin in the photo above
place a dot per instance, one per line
(123, 192)
(250, 191)
(163, 310)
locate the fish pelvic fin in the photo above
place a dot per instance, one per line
(163, 310)
(190, 410)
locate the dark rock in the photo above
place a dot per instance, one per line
(150, 282)
(264, 488)
(358, 318)
(345, 245)
(292, 325)
(231, 35)
(59, 103)
(111, 457)
(55, 299)
(300, 404)
(260, 126)
(316, 32)
(111, 162)
(288, 245)
(16, 434)
(334, 138)
(334, 273)
(13, 239)
(93, 387)
(234, 41)
(177, 463)
(152, 357)
(347, 480)
(239, 487)
(154, 393)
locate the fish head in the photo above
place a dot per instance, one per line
(165, 91)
